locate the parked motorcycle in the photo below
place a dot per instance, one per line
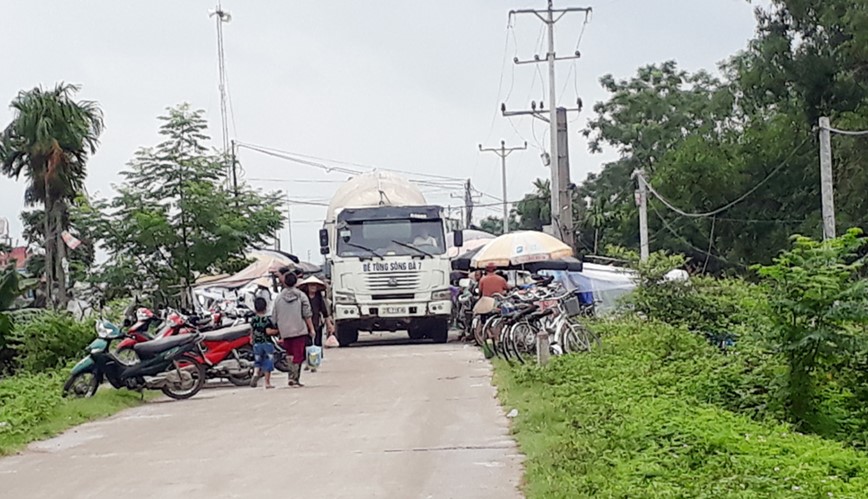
(174, 324)
(228, 354)
(170, 365)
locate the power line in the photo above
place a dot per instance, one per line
(499, 85)
(291, 156)
(687, 243)
(293, 181)
(852, 133)
(326, 168)
(728, 205)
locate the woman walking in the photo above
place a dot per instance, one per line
(292, 315)
(315, 289)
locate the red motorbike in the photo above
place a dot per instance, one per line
(226, 352)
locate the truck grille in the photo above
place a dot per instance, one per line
(392, 281)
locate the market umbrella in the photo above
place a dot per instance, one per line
(462, 261)
(568, 264)
(520, 248)
(470, 235)
(468, 246)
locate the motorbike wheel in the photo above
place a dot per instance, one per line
(81, 385)
(192, 366)
(477, 324)
(127, 355)
(246, 353)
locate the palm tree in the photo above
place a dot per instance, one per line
(49, 141)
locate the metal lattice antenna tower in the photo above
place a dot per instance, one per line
(221, 17)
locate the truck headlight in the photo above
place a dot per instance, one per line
(443, 294)
(345, 298)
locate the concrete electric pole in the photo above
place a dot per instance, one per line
(642, 203)
(468, 204)
(503, 152)
(827, 189)
(562, 219)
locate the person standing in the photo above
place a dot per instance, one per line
(292, 315)
(314, 288)
(263, 349)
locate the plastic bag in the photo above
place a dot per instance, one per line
(331, 342)
(314, 356)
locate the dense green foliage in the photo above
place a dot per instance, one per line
(705, 141)
(49, 141)
(653, 414)
(31, 408)
(49, 340)
(800, 330)
(819, 306)
(173, 218)
(12, 286)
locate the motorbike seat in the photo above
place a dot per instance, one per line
(227, 333)
(523, 312)
(154, 347)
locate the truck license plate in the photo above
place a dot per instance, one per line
(394, 311)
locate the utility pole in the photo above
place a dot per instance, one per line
(826, 185)
(562, 224)
(289, 225)
(468, 204)
(564, 199)
(503, 152)
(642, 202)
(234, 167)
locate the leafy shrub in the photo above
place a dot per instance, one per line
(702, 304)
(25, 400)
(31, 407)
(49, 340)
(819, 307)
(645, 416)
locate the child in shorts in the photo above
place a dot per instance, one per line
(263, 349)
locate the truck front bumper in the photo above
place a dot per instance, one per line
(393, 310)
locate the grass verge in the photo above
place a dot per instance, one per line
(646, 416)
(32, 409)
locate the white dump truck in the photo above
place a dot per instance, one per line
(386, 252)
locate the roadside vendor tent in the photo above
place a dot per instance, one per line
(606, 282)
(254, 280)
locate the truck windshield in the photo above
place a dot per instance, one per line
(391, 237)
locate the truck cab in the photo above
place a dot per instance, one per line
(389, 269)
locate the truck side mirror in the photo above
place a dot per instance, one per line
(324, 241)
(458, 238)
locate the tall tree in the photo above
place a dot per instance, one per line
(494, 224)
(173, 218)
(49, 141)
(534, 210)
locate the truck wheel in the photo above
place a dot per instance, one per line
(439, 331)
(416, 332)
(347, 335)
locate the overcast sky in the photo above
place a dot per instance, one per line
(407, 85)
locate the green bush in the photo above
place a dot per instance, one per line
(26, 400)
(647, 416)
(819, 308)
(702, 304)
(49, 340)
(31, 407)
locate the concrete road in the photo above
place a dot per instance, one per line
(385, 420)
